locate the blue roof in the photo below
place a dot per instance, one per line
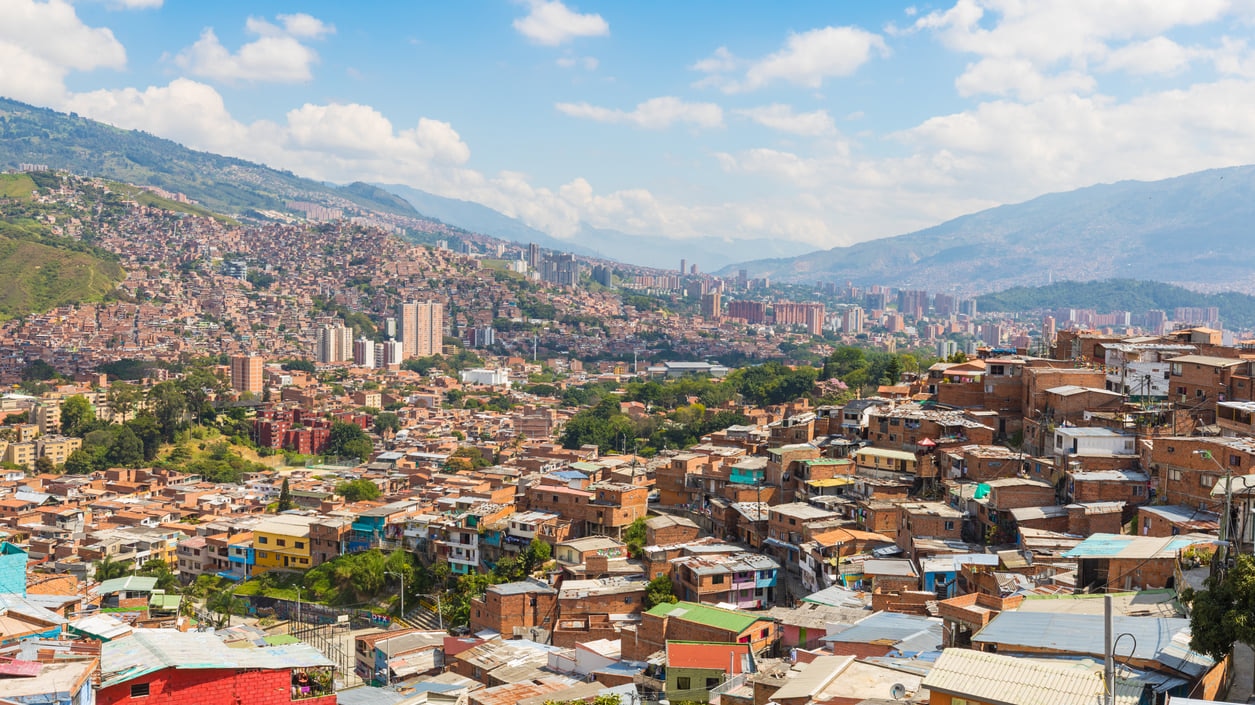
(1161, 639)
(1127, 546)
(908, 632)
(569, 475)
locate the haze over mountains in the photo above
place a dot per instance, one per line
(1190, 230)
(1194, 229)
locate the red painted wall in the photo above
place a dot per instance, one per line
(210, 687)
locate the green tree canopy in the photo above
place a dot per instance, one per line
(1223, 612)
(358, 490)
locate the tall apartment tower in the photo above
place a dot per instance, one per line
(246, 373)
(333, 344)
(390, 353)
(533, 257)
(422, 328)
(364, 352)
(712, 309)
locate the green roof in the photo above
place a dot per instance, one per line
(730, 620)
(827, 461)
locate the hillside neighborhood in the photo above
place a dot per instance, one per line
(315, 461)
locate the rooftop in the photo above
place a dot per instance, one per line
(150, 650)
(1006, 680)
(730, 620)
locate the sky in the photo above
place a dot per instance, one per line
(826, 123)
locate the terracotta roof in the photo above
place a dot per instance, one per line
(682, 654)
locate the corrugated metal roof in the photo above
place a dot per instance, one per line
(1006, 680)
(924, 633)
(684, 654)
(129, 583)
(150, 650)
(730, 620)
(1161, 639)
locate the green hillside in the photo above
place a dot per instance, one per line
(38, 277)
(16, 186)
(1237, 311)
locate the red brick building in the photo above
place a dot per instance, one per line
(168, 667)
(505, 607)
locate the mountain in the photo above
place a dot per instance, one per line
(1236, 310)
(708, 253)
(1191, 229)
(478, 218)
(31, 135)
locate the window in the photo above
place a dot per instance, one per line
(1138, 490)
(263, 554)
(139, 690)
(1235, 461)
(281, 542)
(262, 539)
(949, 526)
(1174, 474)
(717, 580)
(763, 634)
(300, 544)
(711, 683)
(1207, 480)
(683, 683)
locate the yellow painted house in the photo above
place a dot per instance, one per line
(282, 543)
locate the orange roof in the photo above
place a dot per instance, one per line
(683, 654)
(836, 536)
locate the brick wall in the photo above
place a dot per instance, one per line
(210, 687)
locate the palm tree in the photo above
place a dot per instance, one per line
(108, 569)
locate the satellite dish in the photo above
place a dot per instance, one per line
(897, 691)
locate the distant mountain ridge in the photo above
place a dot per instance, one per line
(708, 253)
(1191, 229)
(33, 135)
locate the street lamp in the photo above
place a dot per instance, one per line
(1228, 507)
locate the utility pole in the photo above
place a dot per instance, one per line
(1220, 561)
(298, 605)
(1108, 649)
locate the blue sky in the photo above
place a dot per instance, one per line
(821, 122)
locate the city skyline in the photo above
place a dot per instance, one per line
(810, 123)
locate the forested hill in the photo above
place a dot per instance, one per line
(1237, 311)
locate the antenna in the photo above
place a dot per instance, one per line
(897, 691)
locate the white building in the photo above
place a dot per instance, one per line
(493, 378)
(1142, 369)
(1086, 441)
(363, 352)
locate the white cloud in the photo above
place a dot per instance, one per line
(1029, 48)
(806, 59)
(41, 42)
(135, 4)
(551, 23)
(653, 114)
(277, 55)
(781, 117)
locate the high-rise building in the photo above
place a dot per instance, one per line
(390, 327)
(683, 266)
(852, 320)
(364, 352)
(712, 309)
(533, 256)
(334, 344)
(562, 269)
(422, 328)
(749, 311)
(811, 315)
(391, 353)
(246, 373)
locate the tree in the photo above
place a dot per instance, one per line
(44, 464)
(122, 398)
(634, 537)
(1223, 613)
(358, 490)
(350, 441)
(658, 591)
(38, 371)
(77, 415)
(285, 497)
(126, 450)
(159, 569)
(169, 408)
(80, 462)
(536, 555)
(108, 569)
(387, 421)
